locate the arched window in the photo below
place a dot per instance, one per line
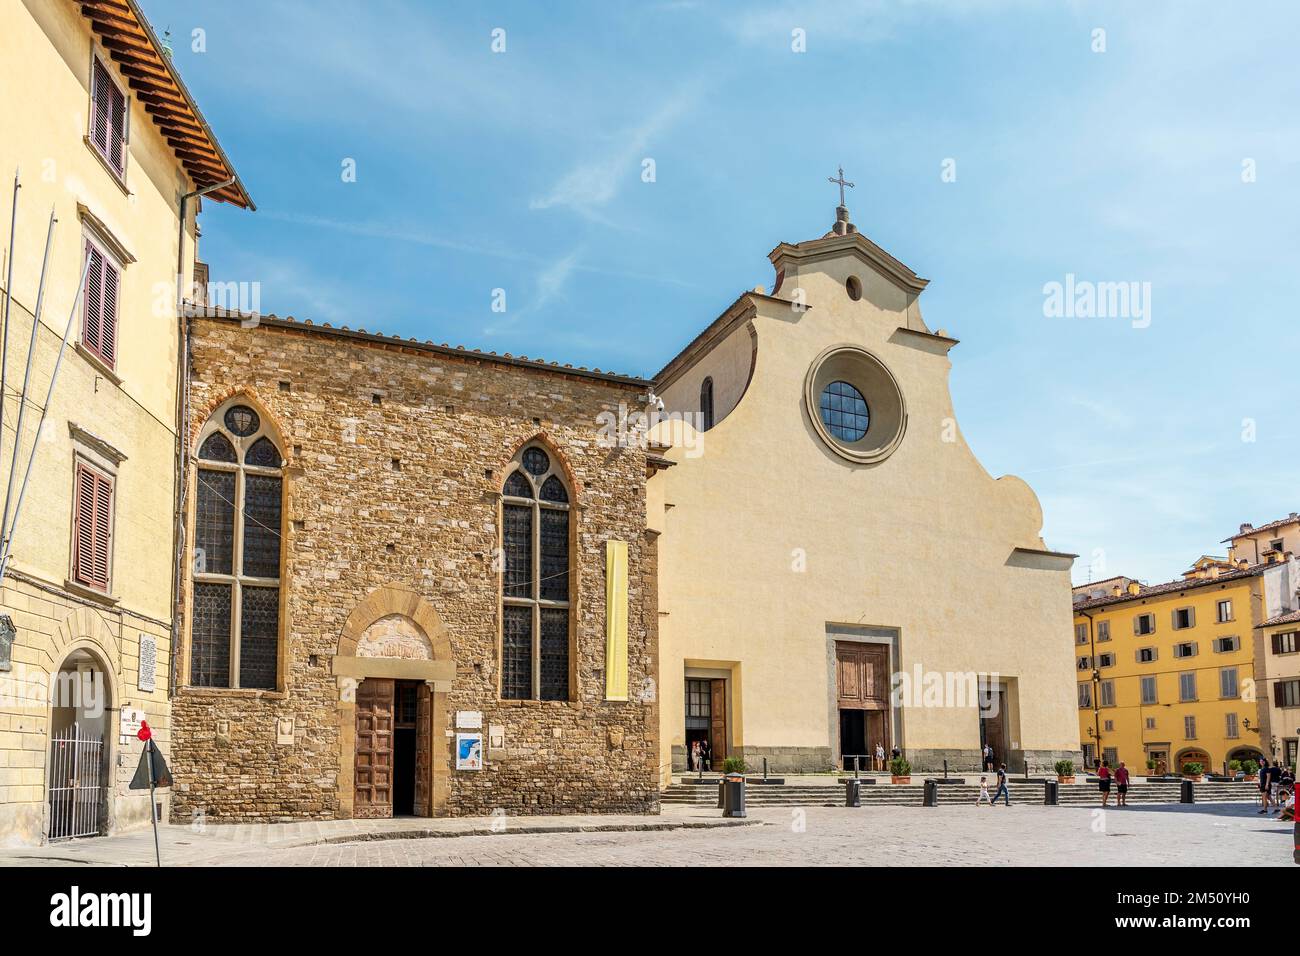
(535, 583)
(706, 404)
(235, 624)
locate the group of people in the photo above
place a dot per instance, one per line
(1274, 778)
(1119, 776)
(700, 757)
(1001, 791)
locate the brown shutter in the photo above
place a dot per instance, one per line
(1277, 694)
(108, 316)
(99, 107)
(117, 127)
(92, 534)
(93, 306)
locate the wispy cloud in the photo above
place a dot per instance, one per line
(549, 286)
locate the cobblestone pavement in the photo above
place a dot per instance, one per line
(884, 836)
(1201, 835)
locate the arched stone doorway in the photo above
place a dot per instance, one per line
(1193, 755)
(394, 669)
(78, 778)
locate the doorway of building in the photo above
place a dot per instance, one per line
(993, 727)
(78, 761)
(706, 720)
(862, 695)
(392, 756)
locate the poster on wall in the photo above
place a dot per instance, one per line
(469, 751)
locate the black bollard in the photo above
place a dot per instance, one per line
(852, 793)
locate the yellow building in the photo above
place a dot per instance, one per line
(1167, 674)
(107, 137)
(837, 571)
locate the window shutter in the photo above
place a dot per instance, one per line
(1137, 624)
(93, 307)
(92, 518)
(1191, 617)
(108, 317)
(99, 107)
(117, 126)
(1278, 695)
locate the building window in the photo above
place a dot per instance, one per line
(1285, 643)
(1189, 727)
(238, 505)
(99, 304)
(1081, 633)
(1187, 686)
(1108, 693)
(706, 404)
(535, 582)
(1186, 649)
(844, 412)
(1225, 645)
(1144, 624)
(1149, 695)
(1085, 696)
(1276, 545)
(1151, 723)
(1225, 611)
(107, 117)
(1146, 655)
(1106, 660)
(1108, 725)
(92, 528)
(1103, 631)
(1286, 693)
(1184, 617)
(1230, 730)
(1085, 663)
(1110, 755)
(1228, 682)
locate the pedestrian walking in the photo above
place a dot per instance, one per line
(880, 756)
(1121, 785)
(1103, 780)
(1002, 790)
(1275, 787)
(1263, 784)
(984, 792)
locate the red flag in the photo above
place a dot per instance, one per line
(144, 733)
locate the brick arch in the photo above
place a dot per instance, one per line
(249, 396)
(85, 629)
(552, 449)
(395, 599)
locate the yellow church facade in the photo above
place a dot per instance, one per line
(837, 571)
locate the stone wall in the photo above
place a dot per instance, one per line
(357, 522)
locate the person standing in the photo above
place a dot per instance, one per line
(705, 756)
(984, 792)
(693, 758)
(880, 756)
(1002, 790)
(988, 757)
(1121, 785)
(1264, 778)
(1275, 787)
(1103, 781)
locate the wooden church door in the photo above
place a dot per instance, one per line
(374, 764)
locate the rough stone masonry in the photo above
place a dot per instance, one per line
(394, 457)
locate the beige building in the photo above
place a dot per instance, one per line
(108, 138)
(1279, 699)
(827, 536)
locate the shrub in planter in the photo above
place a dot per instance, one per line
(900, 771)
(1064, 771)
(1151, 766)
(1193, 769)
(733, 765)
(1249, 768)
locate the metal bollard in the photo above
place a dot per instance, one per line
(1051, 793)
(931, 798)
(1187, 793)
(734, 800)
(852, 793)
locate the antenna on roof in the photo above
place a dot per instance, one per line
(167, 43)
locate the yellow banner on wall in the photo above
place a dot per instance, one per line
(616, 620)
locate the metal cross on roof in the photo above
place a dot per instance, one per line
(841, 182)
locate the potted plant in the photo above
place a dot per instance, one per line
(900, 771)
(1193, 769)
(1064, 771)
(1249, 768)
(733, 765)
(1151, 766)
(1234, 767)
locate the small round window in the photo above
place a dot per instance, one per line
(844, 411)
(242, 420)
(853, 286)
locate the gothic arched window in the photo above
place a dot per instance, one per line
(535, 583)
(238, 503)
(706, 405)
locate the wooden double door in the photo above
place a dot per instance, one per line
(393, 770)
(862, 690)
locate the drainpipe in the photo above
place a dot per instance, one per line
(182, 427)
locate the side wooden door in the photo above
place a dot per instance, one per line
(374, 765)
(717, 721)
(424, 752)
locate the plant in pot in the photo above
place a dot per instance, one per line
(1233, 767)
(1151, 766)
(1064, 771)
(1193, 769)
(733, 765)
(1249, 768)
(900, 771)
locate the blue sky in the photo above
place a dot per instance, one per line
(522, 171)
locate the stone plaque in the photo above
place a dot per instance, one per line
(496, 736)
(132, 717)
(148, 662)
(469, 720)
(284, 731)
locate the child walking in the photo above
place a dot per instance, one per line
(984, 793)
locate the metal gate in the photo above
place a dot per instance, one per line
(76, 784)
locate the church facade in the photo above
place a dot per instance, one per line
(419, 584)
(837, 570)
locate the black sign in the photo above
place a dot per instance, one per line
(162, 777)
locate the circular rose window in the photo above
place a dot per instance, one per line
(855, 404)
